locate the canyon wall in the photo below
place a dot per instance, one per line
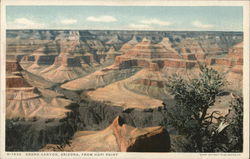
(66, 85)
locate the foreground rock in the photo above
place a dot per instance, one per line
(118, 137)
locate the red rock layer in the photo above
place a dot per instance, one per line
(16, 82)
(14, 78)
(12, 66)
(191, 46)
(237, 69)
(155, 66)
(180, 64)
(146, 49)
(236, 52)
(143, 53)
(234, 59)
(219, 61)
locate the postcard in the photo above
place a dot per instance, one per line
(124, 79)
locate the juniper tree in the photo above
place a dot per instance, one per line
(193, 99)
(235, 130)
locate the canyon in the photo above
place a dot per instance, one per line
(79, 90)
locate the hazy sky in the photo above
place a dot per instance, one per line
(125, 17)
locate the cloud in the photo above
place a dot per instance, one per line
(199, 24)
(156, 22)
(105, 19)
(69, 21)
(139, 26)
(27, 23)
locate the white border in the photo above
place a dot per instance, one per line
(246, 7)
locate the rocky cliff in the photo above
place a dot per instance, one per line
(118, 137)
(129, 45)
(14, 77)
(158, 60)
(33, 114)
(25, 101)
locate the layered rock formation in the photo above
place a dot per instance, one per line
(75, 57)
(56, 68)
(236, 54)
(100, 78)
(33, 115)
(114, 40)
(25, 101)
(233, 61)
(13, 75)
(162, 54)
(149, 82)
(107, 74)
(158, 61)
(65, 68)
(90, 46)
(42, 57)
(109, 56)
(95, 44)
(118, 137)
(129, 45)
(18, 40)
(119, 95)
(235, 75)
(38, 60)
(191, 46)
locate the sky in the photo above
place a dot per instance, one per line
(179, 18)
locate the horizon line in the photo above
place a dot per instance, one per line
(134, 30)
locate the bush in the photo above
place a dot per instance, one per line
(193, 98)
